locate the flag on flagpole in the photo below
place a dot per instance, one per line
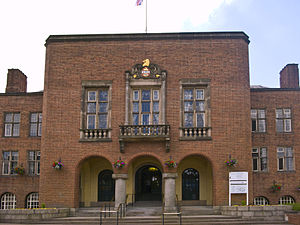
(139, 2)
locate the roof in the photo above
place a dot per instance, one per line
(148, 36)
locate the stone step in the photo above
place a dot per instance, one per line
(156, 220)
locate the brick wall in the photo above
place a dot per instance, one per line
(224, 60)
(16, 81)
(270, 99)
(289, 76)
(24, 103)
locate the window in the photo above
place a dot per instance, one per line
(259, 159)
(12, 124)
(10, 161)
(283, 120)
(34, 162)
(35, 124)
(97, 109)
(261, 201)
(145, 106)
(193, 107)
(258, 118)
(32, 200)
(285, 200)
(285, 159)
(8, 201)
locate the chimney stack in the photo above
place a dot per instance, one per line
(16, 81)
(289, 76)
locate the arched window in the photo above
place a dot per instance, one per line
(287, 199)
(32, 200)
(8, 201)
(261, 200)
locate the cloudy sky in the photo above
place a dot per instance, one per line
(272, 25)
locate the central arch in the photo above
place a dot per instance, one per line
(148, 183)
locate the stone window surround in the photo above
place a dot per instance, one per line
(201, 83)
(94, 84)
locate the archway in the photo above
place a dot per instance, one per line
(106, 186)
(148, 184)
(190, 184)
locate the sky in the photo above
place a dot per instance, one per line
(272, 27)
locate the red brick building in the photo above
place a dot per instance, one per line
(145, 99)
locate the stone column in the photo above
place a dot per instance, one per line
(170, 191)
(120, 188)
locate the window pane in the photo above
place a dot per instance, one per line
(155, 95)
(254, 164)
(155, 106)
(8, 129)
(40, 130)
(287, 125)
(188, 119)
(91, 121)
(91, 107)
(103, 107)
(199, 94)
(263, 152)
(263, 164)
(188, 106)
(103, 95)
(31, 168)
(262, 125)
(280, 153)
(13, 165)
(6, 155)
(8, 117)
(34, 117)
(145, 106)
(289, 164)
(279, 113)
(5, 167)
(200, 119)
(280, 164)
(279, 125)
(31, 155)
(261, 114)
(16, 130)
(253, 113)
(92, 96)
(38, 155)
(135, 95)
(145, 119)
(135, 119)
(155, 119)
(103, 121)
(17, 117)
(254, 125)
(14, 155)
(287, 113)
(188, 94)
(33, 129)
(289, 152)
(40, 117)
(146, 95)
(135, 107)
(199, 106)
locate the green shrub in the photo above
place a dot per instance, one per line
(296, 206)
(43, 205)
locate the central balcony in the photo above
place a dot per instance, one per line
(134, 133)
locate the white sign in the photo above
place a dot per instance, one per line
(238, 184)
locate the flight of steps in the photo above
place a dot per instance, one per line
(144, 215)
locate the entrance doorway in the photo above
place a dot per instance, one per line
(106, 186)
(190, 184)
(148, 186)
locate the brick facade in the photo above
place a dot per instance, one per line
(217, 61)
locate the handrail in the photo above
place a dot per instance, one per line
(178, 213)
(120, 213)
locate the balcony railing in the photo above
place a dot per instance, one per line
(130, 133)
(95, 134)
(187, 133)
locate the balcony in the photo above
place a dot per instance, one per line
(95, 134)
(195, 133)
(134, 133)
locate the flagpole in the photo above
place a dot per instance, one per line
(146, 15)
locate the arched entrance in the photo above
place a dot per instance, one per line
(106, 186)
(148, 184)
(190, 184)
